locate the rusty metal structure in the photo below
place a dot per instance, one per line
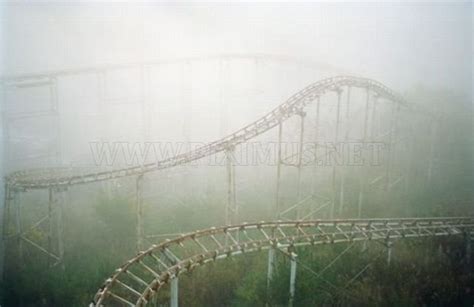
(299, 220)
(56, 178)
(137, 281)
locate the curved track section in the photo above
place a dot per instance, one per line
(139, 279)
(294, 105)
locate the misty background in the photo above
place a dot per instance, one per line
(404, 45)
(83, 74)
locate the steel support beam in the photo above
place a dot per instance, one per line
(346, 138)
(139, 212)
(223, 106)
(292, 278)
(391, 146)
(50, 222)
(360, 199)
(7, 209)
(60, 229)
(55, 107)
(18, 223)
(302, 115)
(186, 100)
(389, 252)
(3, 184)
(366, 114)
(55, 226)
(409, 165)
(146, 111)
(334, 167)
(373, 120)
(315, 167)
(429, 172)
(270, 269)
(174, 292)
(468, 240)
(279, 163)
(231, 207)
(4, 219)
(363, 178)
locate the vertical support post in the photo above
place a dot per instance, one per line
(186, 103)
(440, 250)
(139, 211)
(186, 100)
(348, 103)
(338, 111)
(60, 229)
(174, 292)
(316, 136)
(373, 126)
(18, 224)
(53, 89)
(363, 179)
(101, 89)
(258, 69)
(468, 240)
(222, 73)
(408, 165)
(6, 213)
(277, 202)
(366, 118)
(234, 194)
(391, 146)
(231, 208)
(302, 115)
(3, 184)
(103, 115)
(5, 126)
(389, 251)
(292, 278)
(101, 93)
(5, 221)
(334, 188)
(146, 111)
(346, 138)
(270, 269)
(431, 153)
(360, 199)
(50, 223)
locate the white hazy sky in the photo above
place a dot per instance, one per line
(398, 43)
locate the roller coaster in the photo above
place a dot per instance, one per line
(294, 105)
(137, 281)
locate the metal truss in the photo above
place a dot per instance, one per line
(59, 179)
(24, 80)
(43, 179)
(56, 179)
(50, 226)
(137, 281)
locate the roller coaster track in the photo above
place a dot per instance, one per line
(63, 177)
(307, 63)
(138, 280)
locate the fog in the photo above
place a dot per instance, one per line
(151, 95)
(370, 39)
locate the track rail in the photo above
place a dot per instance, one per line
(140, 278)
(50, 178)
(306, 62)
